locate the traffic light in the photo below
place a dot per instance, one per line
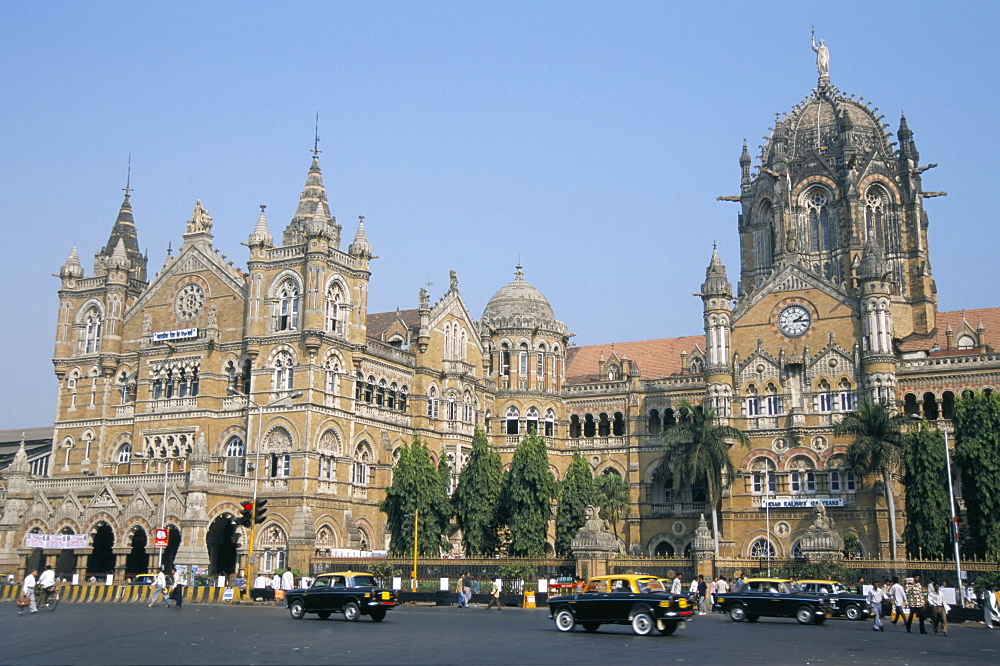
(260, 511)
(246, 515)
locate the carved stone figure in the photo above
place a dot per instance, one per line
(822, 57)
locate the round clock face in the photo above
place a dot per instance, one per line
(188, 302)
(794, 321)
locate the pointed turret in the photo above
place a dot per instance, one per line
(716, 283)
(745, 166)
(317, 226)
(119, 258)
(123, 231)
(312, 194)
(907, 147)
(261, 235)
(72, 268)
(360, 246)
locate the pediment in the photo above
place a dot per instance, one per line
(40, 507)
(793, 278)
(140, 504)
(71, 506)
(105, 499)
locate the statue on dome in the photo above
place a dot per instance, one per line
(822, 57)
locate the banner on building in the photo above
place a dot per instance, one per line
(55, 541)
(797, 503)
(178, 334)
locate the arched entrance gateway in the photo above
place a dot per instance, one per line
(222, 540)
(102, 556)
(137, 560)
(66, 559)
(173, 543)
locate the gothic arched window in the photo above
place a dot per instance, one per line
(235, 457)
(764, 235)
(821, 234)
(283, 372)
(513, 421)
(92, 325)
(287, 306)
(334, 314)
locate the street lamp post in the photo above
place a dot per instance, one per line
(954, 518)
(256, 466)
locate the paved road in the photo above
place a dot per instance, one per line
(135, 634)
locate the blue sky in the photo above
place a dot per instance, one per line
(586, 140)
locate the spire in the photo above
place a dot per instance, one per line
(119, 259)
(124, 230)
(261, 235)
(317, 224)
(72, 267)
(313, 192)
(745, 165)
(360, 247)
(907, 147)
(716, 283)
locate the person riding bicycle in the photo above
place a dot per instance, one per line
(45, 586)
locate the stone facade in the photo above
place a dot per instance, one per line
(182, 394)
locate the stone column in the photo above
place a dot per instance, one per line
(703, 550)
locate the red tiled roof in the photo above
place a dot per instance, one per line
(991, 323)
(655, 358)
(379, 322)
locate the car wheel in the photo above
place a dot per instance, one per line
(378, 615)
(852, 612)
(804, 614)
(564, 619)
(752, 617)
(642, 623)
(324, 615)
(297, 610)
(351, 611)
(738, 613)
(668, 628)
(591, 627)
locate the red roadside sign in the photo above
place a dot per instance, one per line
(160, 538)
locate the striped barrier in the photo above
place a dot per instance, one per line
(91, 593)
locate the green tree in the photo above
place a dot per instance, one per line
(926, 482)
(977, 452)
(477, 497)
(877, 447)
(528, 490)
(696, 450)
(576, 493)
(416, 486)
(613, 498)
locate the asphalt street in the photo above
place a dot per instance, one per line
(215, 634)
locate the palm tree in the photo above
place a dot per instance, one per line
(877, 446)
(613, 498)
(696, 449)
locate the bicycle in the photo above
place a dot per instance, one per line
(51, 599)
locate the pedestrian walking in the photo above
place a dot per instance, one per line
(287, 580)
(916, 599)
(29, 591)
(276, 581)
(875, 596)
(159, 586)
(702, 592)
(675, 585)
(460, 591)
(898, 596)
(939, 609)
(991, 609)
(495, 595)
(180, 582)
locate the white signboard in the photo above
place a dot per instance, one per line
(55, 541)
(397, 583)
(179, 334)
(800, 503)
(443, 585)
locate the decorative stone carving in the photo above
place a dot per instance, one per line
(594, 539)
(821, 540)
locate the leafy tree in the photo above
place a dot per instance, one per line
(877, 447)
(477, 497)
(613, 498)
(576, 492)
(926, 482)
(528, 489)
(977, 452)
(416, 486)
(696, 450)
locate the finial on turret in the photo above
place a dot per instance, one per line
(128, 178)
(316, 151)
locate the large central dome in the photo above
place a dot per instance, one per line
(520, 305)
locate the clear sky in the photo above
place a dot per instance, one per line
(587, 140)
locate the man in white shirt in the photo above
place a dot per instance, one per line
(721, 586)
(675, 585)
(45, 583)
(159, 589)
(287, 580)
(898, 596)
(29, 589)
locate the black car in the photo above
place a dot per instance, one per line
(351, 593)
(846, 604)
(774, 597)
(640, 601)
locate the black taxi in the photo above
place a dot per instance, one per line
(638, 600)
(349, 592)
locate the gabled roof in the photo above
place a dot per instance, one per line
(379, 322)
(991, 323)
(655, 358)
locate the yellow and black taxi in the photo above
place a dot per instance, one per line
(637, 600)
(774, 597)
(847, 604)
(349, 592)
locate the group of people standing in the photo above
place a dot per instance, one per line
(910, 600)
(702, 591)
(469, 585)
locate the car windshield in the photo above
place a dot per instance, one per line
(363, 581)
(651, 585)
